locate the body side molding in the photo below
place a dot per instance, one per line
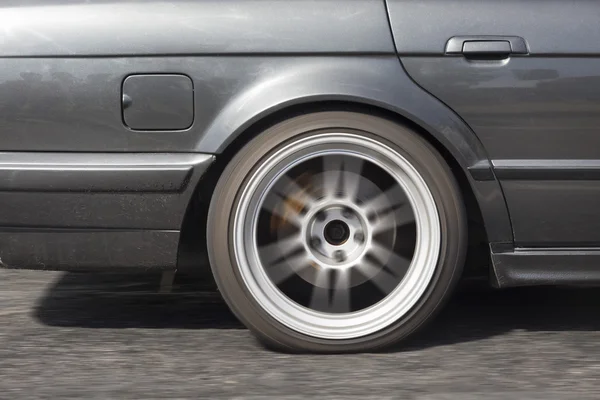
(542, 170)
(102, 172)
(482, 171)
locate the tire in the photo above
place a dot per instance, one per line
(366, 177)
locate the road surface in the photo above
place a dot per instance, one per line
(114, 336)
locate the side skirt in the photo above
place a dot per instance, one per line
(544, 266)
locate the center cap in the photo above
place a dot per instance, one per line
(336, 232)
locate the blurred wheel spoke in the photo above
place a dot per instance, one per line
(275, 204)
(351, 175)
(392, 198)
(395, 263)
(341, 292)
(394, 218)
(280, 249)
(298, 194)
(284, 268)
(319, 299)
(379, 277)
(332, 175)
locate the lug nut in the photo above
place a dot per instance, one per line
(359, 237)
(347, 213)
(321, 216)
(315, 242)
(340, 256)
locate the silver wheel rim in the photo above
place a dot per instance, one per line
(332, 275)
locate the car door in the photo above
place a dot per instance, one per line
(525, 75)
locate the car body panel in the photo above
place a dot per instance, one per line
(525, 108)
(74, 28)
(529, 111)
(74, 104)
(550, 27)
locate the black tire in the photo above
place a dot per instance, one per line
(420, 154)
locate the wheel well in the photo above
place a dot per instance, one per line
(193, 235)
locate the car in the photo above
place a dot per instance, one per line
(340, 165)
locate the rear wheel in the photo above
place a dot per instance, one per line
(336, 232)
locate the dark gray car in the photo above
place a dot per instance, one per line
(337, 161)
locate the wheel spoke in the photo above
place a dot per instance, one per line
(341, 292)
(352, 175)
(280, 249)
(393, 262)
(379, 277)
(284, 269)
(393, 218)
(295, 192)
(284, 258)
(319, 299)
(332, 175)
(392, 198)
(275, 204)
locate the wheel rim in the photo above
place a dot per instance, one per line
(315, 247)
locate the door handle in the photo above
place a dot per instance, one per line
(486, 46)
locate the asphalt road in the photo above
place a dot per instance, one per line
(112, 336)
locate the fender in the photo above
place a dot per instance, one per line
(378, 81)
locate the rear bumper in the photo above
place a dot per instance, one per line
(82, 211)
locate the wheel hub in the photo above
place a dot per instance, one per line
(336, 235)
(336, 232)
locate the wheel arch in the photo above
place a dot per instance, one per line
(328, 89)
(467, 185)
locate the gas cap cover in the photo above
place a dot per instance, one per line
(158, 102)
